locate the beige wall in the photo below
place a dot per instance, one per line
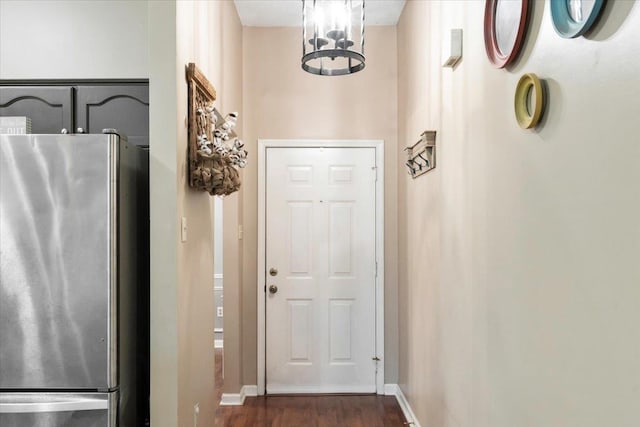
(283, 102)
(231, 100)
(518, 255)
(182, 310)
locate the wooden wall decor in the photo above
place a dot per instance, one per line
(212, 162)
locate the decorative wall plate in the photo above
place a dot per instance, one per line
(573, 18)
(529, 101)
(505, 24)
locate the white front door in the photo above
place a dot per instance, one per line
(321, 239)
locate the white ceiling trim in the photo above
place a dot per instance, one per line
(288, 13)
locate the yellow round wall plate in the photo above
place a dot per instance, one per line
(529, 101)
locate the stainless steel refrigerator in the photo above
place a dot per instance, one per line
(74, 224)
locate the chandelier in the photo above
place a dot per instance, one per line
(332, 36)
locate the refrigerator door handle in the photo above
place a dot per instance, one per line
(48, 403)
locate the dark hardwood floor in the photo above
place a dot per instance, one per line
(308, 411)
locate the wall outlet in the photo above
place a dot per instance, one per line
(220, 312)
(196, 414)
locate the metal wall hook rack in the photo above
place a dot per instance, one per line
(421, 156)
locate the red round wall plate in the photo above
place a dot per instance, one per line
(513, 26)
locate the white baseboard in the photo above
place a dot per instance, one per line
(390, 389)
(237, 399)
(218, 343)
(250, 390)
(231, 399)
(395, 390)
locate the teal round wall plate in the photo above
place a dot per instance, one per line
(573, 18)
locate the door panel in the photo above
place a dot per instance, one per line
(49, 108)
(95, 418)
(340, 238)
(58, 410)
(57, 219)
(320, 225)
(300, 239)
(300, 331)
(340, 329)
(121, 107)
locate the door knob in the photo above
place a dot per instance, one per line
(273, 289)
(273, 271)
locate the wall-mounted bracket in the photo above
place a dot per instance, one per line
(421, 156)
(454, 56)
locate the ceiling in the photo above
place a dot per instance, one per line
(288, 13)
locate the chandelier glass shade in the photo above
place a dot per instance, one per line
(332, 36)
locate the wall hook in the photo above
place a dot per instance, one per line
(421, 156)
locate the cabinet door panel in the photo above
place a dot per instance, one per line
(121, 107)
(49, 108)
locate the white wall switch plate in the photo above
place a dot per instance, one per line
(220, 312)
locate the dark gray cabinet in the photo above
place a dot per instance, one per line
(90, 106)
(125, 108)
(50, 108)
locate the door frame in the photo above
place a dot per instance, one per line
(263, 145)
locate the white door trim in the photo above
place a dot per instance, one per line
(263, 144)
